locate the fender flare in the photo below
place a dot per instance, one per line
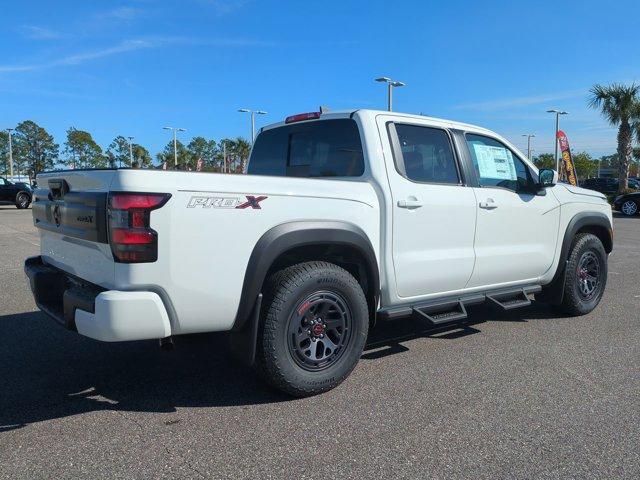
(283, 237)
(583, 219)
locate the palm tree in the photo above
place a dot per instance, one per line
(242, 149)
(620, 105)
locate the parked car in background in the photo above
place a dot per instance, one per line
(18, 193)
(628, 204)
(607, 185)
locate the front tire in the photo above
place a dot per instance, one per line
(629, 208)
(314, 328)
(585, 276)
(22, 201)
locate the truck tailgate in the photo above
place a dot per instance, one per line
(69, 211)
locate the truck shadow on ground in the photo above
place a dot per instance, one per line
(47, 372)
(386, 339)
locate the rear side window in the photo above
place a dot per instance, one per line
(427, 154)
(327, 148)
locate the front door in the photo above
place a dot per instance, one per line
(434, 213)
(517, 229)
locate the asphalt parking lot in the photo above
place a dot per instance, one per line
(521, 395)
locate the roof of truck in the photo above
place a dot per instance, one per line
(325, 115)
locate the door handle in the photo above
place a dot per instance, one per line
(410, 202)
(488, 204)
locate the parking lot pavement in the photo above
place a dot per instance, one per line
(521, 395)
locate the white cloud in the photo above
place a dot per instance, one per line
(507, 103)
(33, 32)
(133, 45)
(76, 59)
(226, 6)
(124, 14)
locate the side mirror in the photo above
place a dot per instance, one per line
(547, 177)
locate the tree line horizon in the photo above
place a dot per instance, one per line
(35, 150)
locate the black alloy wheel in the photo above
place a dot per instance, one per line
(588, 273)
(319, 330)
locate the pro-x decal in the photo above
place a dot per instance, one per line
(253, 202)
(205, 201)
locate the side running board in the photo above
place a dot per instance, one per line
(453, 309)
(442, 313)
(510, 300)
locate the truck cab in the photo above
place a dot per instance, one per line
(461, 209)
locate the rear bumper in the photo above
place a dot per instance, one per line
(106, 315)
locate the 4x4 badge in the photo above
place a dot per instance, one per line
(252, 202)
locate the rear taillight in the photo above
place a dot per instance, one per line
(131, 238)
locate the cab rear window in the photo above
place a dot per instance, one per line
(326, 148)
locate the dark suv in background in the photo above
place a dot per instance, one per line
(607, 185)
(18, 193)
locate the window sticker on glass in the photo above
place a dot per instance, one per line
(495, 162)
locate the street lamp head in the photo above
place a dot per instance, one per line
(244, 110)
(167, 128)
(562, 112)
(261, 112)
(393, 83)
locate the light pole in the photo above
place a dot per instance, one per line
(558, 113)
(253, 120)
(224, 156)
(9, 130)
(130, 151)
(529, 137)
(390, 85)
(175, 142)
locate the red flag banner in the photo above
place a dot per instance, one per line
(567, 161)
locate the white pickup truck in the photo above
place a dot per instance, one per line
(343, 218)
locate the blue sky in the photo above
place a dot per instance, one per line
(131, 67)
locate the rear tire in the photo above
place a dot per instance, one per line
(314, 327)
(22, 201)
(585, 276)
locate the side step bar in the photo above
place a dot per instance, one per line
(454, 309)
(509, 301)
(442, 313)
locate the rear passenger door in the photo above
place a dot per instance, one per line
(434, 212)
